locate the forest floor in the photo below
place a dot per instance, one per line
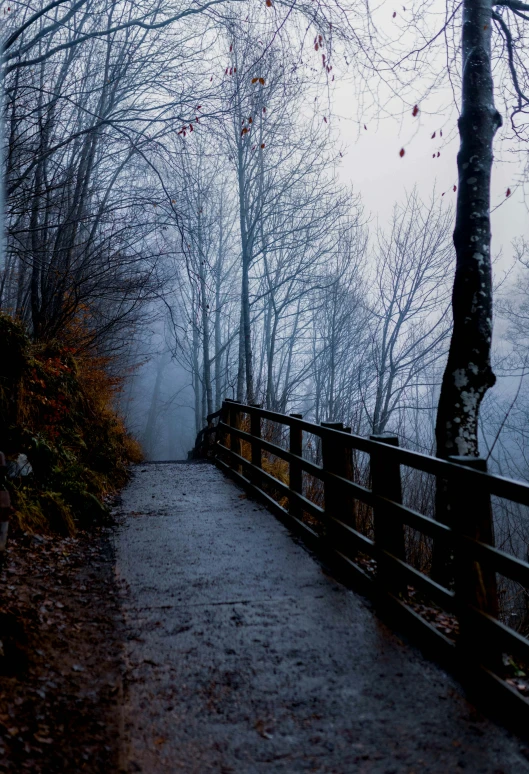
(197, 636)
(61, 659)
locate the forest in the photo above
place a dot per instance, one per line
(180, 220)
(307, 218)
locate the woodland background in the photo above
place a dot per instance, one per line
(182, 225)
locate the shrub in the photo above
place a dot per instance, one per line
(57, 408)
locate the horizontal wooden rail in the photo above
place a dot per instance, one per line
(380, 563)
(499, 486)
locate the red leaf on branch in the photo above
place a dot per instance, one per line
(508, 192)
(415, 111)
(433, 136)
(454, 188)
(402, 152)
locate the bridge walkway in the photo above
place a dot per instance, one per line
(243, 656)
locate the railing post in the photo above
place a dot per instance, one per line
(220, 435)
(475, 585)
(295, 477)
(255, 430)
(235, 441)
(349, 500)
(389, 531)
(332, 461)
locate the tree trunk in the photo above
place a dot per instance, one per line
(468, 373)
(196, 375)
(246, 250)
(270, 388)
(208, 392)
(218, 354)
(248, 356)
(240, 366)
(218, 336)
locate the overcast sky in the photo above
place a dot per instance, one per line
(373, 164)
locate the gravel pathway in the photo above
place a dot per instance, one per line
(243, 656)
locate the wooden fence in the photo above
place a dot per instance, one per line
(483, 644)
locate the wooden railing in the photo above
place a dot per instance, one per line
(482, 643)
(205, 440)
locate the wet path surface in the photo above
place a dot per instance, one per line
(243, 656)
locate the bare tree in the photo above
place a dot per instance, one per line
(409, 305)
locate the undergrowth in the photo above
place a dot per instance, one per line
(57, 408)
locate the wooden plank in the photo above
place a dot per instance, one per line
(416, 520)
(349, 534)
(308, 506)
(496, 485)
(295, 473)
(506, 639)
(389, 530)
(255, 431)
(443, 597)
(502, 700)
(503, 563)
(358, 491)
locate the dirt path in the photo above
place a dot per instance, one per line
(243, 656)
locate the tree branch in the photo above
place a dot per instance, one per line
(510, 52)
